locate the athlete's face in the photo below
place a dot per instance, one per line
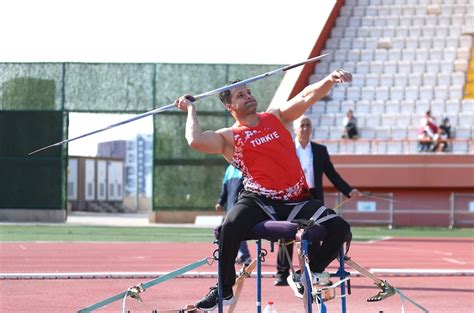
(241, 100)
(303, 129)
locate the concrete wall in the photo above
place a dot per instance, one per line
(421, 184)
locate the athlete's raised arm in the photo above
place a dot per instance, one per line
(207, 141)
(296, 106)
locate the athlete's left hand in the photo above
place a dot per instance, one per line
(341, 76)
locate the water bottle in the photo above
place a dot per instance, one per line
(269, 308)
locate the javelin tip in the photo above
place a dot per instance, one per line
(41, 149)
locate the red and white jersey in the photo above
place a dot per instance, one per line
(267, 157)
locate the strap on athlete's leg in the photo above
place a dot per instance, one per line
(270, 211)
(296, 209)
(283, 244)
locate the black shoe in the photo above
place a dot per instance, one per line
(209, 302)
(280, 281)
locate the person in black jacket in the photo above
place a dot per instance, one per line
(315, 161)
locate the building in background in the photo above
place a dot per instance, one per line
(137, 154)
(138, 164)
(112, 149)
(95, 184)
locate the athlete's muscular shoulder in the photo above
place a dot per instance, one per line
(275, 112)
(228, 149)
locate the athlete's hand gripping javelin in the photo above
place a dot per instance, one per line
(184, 102)
(341, 76)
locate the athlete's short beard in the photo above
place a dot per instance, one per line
(247, 104)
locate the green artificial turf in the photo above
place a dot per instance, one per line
(187, 234)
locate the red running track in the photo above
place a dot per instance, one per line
(438, 294)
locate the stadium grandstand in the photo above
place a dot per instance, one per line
(407, 57)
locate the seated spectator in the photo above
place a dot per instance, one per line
(446, 126)
(426, 132)
(441, 138)
(430, 121)
(350, 126)
(425, 139)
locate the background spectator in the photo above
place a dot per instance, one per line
(441, 138)
(426, 132)
(350, 126)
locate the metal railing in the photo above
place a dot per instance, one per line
(381, 208)
(391, 146)
(462, 210)
(368, 209)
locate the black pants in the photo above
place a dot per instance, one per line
(246, 213)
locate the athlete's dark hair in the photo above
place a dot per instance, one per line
(225, 95)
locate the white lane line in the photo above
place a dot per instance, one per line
(443, 252)
(424, 271)
(363, 239)
(453, 261)
(204, 274)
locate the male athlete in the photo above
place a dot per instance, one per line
(263, 149)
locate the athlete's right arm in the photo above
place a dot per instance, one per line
(207, 141)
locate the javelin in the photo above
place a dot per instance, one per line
(194, 98)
